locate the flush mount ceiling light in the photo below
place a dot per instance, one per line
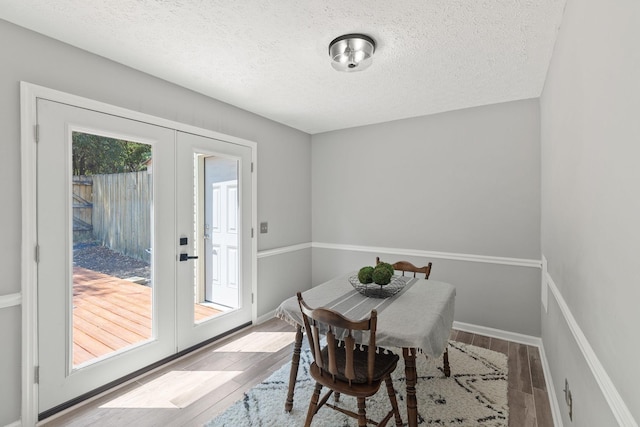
(351, 52)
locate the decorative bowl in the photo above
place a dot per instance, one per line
(373, 290)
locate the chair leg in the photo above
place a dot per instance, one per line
(362, 413)
(313, 405)
(394, 402)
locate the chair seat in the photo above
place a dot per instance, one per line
(385, 363)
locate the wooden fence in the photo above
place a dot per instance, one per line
(121, 212)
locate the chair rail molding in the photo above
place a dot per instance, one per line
(283, 250)
(10, 300)
(519, 262)
(487, 259)
(616, 403)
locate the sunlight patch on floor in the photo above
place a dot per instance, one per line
(175, 389)
(259, 342)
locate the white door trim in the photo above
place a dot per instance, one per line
(29, 278)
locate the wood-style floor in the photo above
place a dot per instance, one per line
(255, 353)
(110, 314)
(527, 390)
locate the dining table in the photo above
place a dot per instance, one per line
(416, 318)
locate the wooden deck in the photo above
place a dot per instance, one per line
(111, 313)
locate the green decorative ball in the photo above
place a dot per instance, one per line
(387, 266)
(382, 275)
(365, 275)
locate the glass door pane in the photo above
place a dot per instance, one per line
(221, 232)
(215, 274)
(112, 191)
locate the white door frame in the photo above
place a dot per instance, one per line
(29, 277)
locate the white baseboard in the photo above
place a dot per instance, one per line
(267, 316)
(551, 390)
(617, 405)
(14, 424)
(498, 333)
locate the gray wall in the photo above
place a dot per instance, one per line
(590, 137)
(495, 296)
(460, 182)
(281, 277)
(283, 165)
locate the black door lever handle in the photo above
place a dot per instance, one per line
(186, 257)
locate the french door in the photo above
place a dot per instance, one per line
(225, 256)
(120, 189)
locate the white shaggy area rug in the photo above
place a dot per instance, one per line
(474, 395)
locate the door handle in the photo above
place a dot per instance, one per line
(186, 257)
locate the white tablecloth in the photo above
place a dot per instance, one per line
(420, 316)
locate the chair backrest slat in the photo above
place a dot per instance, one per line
(372, 347)
(349, 371)
(331, 346)
(316, 343)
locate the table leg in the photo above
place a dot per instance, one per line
(409, 355)
(295, 363)
(445, 363)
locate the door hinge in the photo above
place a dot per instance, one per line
(251, 297)
(36, 133)
(37, 254)
(36, 374)
(252, 232)
(251, 167)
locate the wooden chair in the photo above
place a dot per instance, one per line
(406, 266)
(345, 367)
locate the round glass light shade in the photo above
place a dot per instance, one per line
(352, 52)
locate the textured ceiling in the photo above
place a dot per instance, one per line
(271, 57)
